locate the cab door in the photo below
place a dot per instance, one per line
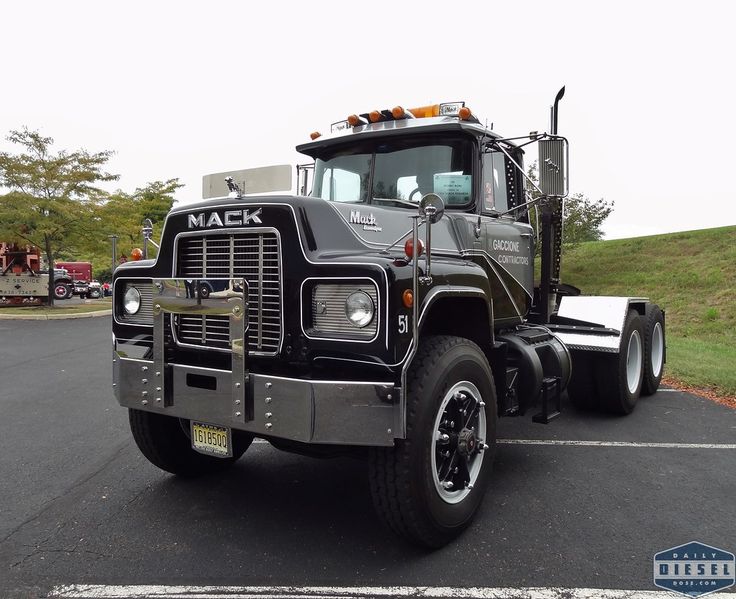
(507, 242)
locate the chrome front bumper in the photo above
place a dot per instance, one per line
(309, 411)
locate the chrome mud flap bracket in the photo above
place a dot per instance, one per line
(181, 296)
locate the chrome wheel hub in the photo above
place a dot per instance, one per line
(633, 362)
(458, 442)
(467, 443)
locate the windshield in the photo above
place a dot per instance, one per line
(397, 172)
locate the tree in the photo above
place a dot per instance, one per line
(51, 196)
(581, 217)
(122, 214)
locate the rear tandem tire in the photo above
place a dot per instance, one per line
(164, 443)
(581, 388)
(654, 349)
(428, 487)
(619, 377)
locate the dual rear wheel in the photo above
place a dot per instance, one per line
(615, 382)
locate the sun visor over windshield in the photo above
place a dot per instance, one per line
(251, 180)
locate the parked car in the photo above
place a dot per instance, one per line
(95, 290)
(81, 288)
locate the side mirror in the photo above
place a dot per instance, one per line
(553, 167)
(432, 207)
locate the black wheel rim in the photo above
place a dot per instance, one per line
(458, 442)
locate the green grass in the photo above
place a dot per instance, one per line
(59, 308)
(692, 276)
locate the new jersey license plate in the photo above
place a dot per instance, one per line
(212, 440)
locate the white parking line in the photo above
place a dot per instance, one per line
(233, 592)
(616, 444)
(602, 444)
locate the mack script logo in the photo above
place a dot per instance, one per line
(368, 221)
(694, 569)
(229, 218)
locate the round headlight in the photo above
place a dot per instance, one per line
(132, 301)
(359, 309)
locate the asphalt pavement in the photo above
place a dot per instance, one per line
(584, 502)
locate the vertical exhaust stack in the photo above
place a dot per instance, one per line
(553, 183)
(553, 111)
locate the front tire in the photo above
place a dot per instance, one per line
(429, 486)
(62, 292)
(164, 443)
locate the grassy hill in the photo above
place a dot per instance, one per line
(692, 276)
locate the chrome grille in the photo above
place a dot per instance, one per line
(253, 255)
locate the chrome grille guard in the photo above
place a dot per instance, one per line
(181, 296)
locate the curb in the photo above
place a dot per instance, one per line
(55, 316)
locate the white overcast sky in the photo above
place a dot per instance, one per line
(181, 89)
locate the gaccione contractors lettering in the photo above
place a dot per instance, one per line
(507, 245)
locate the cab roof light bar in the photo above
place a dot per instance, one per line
(397, 113)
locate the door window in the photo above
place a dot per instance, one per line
(495, 196)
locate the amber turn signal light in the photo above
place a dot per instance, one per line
(408, 298)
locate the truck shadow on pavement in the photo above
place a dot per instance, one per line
(279, 508)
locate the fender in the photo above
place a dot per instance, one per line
(434, 294)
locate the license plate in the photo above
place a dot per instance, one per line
(212, 440)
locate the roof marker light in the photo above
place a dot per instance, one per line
(398, 112)
(464, 113)
(375, 116)
(315, 134)
(354, 120)
(422, 112)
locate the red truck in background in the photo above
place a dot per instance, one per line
(78, 271)
(81, 275)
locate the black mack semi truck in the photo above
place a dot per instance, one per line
(389, 309)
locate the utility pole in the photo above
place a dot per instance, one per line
(114, 239)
